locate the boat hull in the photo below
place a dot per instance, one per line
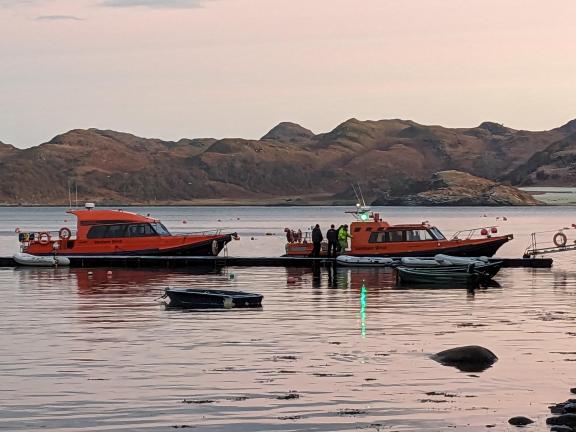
(207, 299)
(188, 246)
(407, 276)
(490, 269)
(347, 260)
(463, 248)
(24, 259)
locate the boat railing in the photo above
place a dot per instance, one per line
(35, 235)
(547, 242)
(468, 234)
(198, 233)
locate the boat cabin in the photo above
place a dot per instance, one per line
(385, 233)
(371, 236)
(94, 224)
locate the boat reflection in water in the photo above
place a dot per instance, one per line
(100, 293)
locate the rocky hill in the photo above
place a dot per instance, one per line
(553, 166)
(456, 188)
(289, 164)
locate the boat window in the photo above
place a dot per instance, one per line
(387, 236)
(437, 234)
(161, 229)
(107, 231)
(418, 235)
(98, 231)
(357, 229)
(368, 228)
(141, 230)
(395, 236)
(377, 237)
(115, 231)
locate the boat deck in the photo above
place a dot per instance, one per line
(223, 261)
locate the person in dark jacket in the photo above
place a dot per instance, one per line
(317, 238)
(332, 237)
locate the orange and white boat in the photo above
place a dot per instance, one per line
(117, 232)
(371, 236)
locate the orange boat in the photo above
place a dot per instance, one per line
(372, 236)
(116, 232)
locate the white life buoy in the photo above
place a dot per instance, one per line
(44, 238)
(64, 233)
(560, 239)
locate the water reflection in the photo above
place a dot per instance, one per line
(338, 349)
(363, 303)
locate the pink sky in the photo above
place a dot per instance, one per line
(235, 68)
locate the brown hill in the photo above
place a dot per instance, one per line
(6, 150)
(289, 163)
(553, 166)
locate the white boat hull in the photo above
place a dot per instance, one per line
(40, 261)
(347, 260)
(454, 260)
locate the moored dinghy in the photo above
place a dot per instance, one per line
(436, 277)
(40, 261)
(419, 262)
(204, 298)
(455, 260)
(358, 261)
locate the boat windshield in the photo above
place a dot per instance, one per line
(437, 234)
(160, 229)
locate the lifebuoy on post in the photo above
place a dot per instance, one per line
(44, 238)
(560, 239)
(64, 233)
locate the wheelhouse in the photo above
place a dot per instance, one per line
(128, 230)
(393, 235)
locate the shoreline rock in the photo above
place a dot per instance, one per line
(471, 358)
(456, 188)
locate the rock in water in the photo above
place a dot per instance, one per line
(520, 421)
(559, 428)
(562, 420)
(470, 358)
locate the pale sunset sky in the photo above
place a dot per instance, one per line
(235, 68)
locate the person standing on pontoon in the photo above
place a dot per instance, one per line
(332, 237)
(317, 238)
(343, 238)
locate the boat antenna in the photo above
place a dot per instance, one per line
(361, 195)
(356, 194)
(76, 184)
(69, 195)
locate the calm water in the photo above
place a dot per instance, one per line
(99, 352)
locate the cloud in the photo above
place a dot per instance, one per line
(180, 4)
(58, 18)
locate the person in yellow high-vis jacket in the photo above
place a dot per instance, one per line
(343, 236)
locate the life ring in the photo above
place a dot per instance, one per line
(560, 239)
(215, 248)
(44, 238)
(64, 233)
